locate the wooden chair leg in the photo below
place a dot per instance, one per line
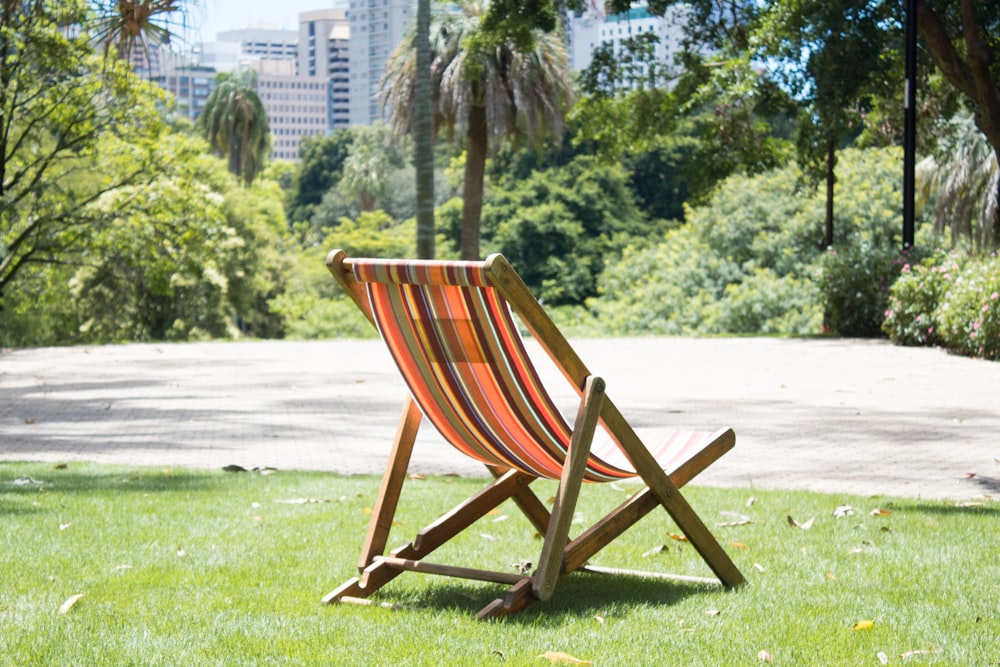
(550, 562)
(392, 485)
(668, 495)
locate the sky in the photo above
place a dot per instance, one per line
(217, 15)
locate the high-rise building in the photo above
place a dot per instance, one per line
(324, 51)
(377, 27)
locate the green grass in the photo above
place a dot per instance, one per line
(201, 567)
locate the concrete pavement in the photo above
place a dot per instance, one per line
(840, 416)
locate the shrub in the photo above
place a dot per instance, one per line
(969, 312)
(855, 283)
(911, 317)
(766, 303)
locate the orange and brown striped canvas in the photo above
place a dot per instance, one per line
(457, 346)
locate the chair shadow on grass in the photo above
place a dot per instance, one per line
(580, 595)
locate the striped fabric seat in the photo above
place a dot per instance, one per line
(459, 349)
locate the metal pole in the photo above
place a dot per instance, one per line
(910, 123)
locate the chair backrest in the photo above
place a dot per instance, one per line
(452, 335)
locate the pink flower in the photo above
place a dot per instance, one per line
(995, 295)
(986, 308)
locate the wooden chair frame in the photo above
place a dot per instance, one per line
(560, 555)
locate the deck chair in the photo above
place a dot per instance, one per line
(450, 330)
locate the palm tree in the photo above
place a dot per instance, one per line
(128, 24)
(423, 133)
(966, 180)
(366, 168)
(235, 124)
(494, 92)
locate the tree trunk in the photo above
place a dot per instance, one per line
(831, 180)
(423, 131)
(477, 143)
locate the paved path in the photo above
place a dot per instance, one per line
(841, 416)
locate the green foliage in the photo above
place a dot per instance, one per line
(748, 261)
(855, 282)
(557, 226)
(969, 312)
(313, 305)
(765, 303)
(320, 170)
(911, 316)
(74, 128)
(235, 124)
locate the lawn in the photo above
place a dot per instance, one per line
(196, 567)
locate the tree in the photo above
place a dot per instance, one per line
(964, 40)
(963, 177)
(423, 132)
(366, 168)
(72, 130)
(235, 124)
(322, 161)
(131, 24)
(488, 88)
(831, 56)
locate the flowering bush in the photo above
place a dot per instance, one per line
(911, 316)
(969, 312)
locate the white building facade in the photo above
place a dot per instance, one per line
(377, 27)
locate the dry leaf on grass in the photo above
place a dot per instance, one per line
(883, 658)
(656, 550)
(738, 545)
(864, 625)
(910, 654)
(302, 501)
(878, 511)
(760, 568)
(561, 658)
(70, 603)
(712, 612)
(678, 538)
(804, 526)
(843, 510)
(764, 656)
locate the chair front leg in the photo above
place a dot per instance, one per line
(550, 562)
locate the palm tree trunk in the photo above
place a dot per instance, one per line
(423, 131)
(472, 190)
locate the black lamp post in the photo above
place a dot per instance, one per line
(910, 122)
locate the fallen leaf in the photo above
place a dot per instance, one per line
(750, 501)
(842, 511)
(679, 538)
(60, 466)
(712, 612)
(265, 471)
(302, 501)
(561, 658)
(738, 545)
(764, 656)
(760, 568)
(64, 526)
(70, 603)
(656, 550)
(854, 550)
(232, 467)
(181, 553)
(502, 517)
(599, 619)
(737, 519)
(969, 504)
(487, 537)
(416, 476)
(910, 654)
(883, 658)
(864, 625)
(878, 511)
(831, 576)
(804, 526)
